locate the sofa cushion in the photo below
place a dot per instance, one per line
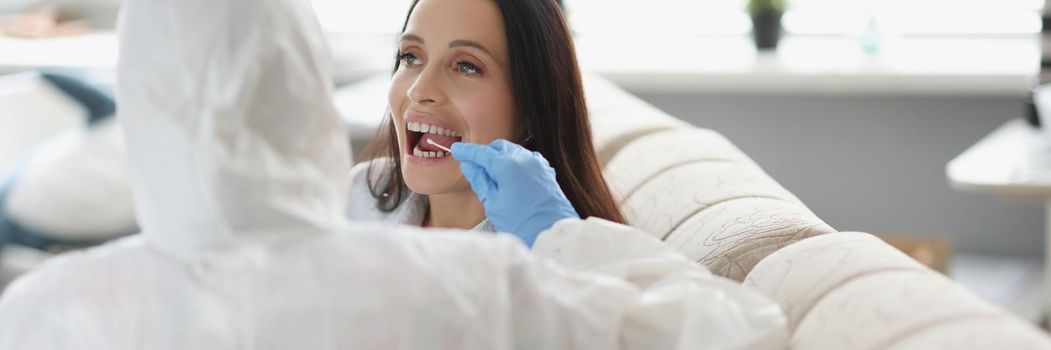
(985, 333)
(32, 110)
(75, 187)
(618, 117)
(667, 199)
(854, 291)
(700, 193)
(733, 236)
(97, 100)
(800, 275)
(652, 154)
(884, 309)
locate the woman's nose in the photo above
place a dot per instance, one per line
(427, 89)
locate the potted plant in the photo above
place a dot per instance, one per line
(766, 22)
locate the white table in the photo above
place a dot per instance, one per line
(97, 51)
(1014, 160)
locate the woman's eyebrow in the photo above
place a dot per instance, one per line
(412, 37)
(452, 44)
(468, 43)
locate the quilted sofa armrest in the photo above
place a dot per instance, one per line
(854, 291)
(696, 191)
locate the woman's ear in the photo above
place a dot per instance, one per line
(524, 134)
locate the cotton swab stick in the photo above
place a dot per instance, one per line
(435, 144)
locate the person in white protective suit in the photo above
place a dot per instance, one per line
(239, 168)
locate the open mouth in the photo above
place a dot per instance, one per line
(423, 136)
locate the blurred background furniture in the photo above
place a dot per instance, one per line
(1012, 161)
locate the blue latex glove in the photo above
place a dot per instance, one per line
(517, 187)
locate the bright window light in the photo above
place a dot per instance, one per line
(657, 16)
(914, 16)
(361, 16)
(716, 17)
(925, 17)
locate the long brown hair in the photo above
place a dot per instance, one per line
(550, 112)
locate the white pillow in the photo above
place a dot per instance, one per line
(76, 186)
(31, 111)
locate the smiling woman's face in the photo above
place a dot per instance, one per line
(453, 84)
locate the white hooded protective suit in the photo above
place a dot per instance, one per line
(240, 175)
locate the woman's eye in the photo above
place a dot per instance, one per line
(409, 59)
(467, 68)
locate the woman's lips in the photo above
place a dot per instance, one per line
(420, 129)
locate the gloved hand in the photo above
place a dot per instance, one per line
(516, 186)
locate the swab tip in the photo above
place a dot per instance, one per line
(435, 144)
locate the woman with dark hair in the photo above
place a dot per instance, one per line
(476, 71)
(240, 180)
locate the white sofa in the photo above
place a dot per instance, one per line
(695, 190)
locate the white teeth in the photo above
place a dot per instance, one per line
(431, 129)
(416, 151)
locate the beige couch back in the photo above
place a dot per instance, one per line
(699, 193)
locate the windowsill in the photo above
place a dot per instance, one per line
(992, 65)
(1006, 65)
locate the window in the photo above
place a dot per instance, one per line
(658, 16)
(361, 16)
(923, 17)
(722, 17)
(586, 16)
